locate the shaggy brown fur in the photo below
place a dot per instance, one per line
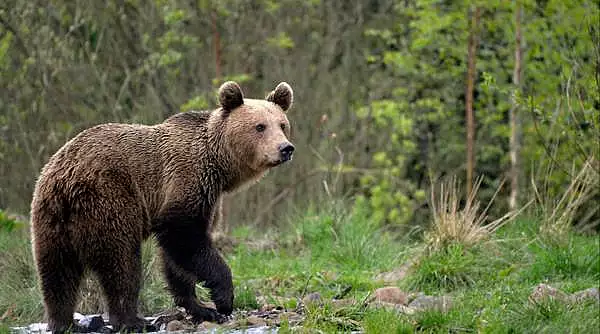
(114, 185)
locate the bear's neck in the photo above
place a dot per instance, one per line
(233, 173)
(197, 146)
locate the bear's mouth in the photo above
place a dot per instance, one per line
(279, 161)
(275, 163)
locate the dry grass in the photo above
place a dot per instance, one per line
(559, 213)
(466, 224)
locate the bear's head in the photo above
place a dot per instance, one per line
(256, 132)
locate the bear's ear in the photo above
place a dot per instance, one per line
(282, 96)
(230, 96)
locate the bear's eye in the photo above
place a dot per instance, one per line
(260, 127)
(283, 126)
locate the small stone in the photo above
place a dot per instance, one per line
(267, 307)
(585, 295)
(343, 302)
(312, 298)
(274, 300)
(166, 316)
(38, 327)
(391, 294)
(543, 292)
(424, 302)
(174, 326)
(233, 324)
(255, 321)
(391, 277)
(207, 325)
(414, 295)
(91, 323)
(293, 318)
(405, 309)
(393, 307)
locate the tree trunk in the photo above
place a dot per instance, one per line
(515, 121)
(472, 49)
(217, 40)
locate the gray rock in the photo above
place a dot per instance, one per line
(167, 316)
(391, 294)
(424, 302)
(267, 308)
(312, 298)
(91, 323)
(393, 307)
(174, 326)
(38, 327)
(207, 325)
(544, 292)
(255, 321)
(343, 302)
(591, 294)
(391, 277)
(293, 318)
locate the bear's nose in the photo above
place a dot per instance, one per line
(286, 150)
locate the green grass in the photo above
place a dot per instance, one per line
(19, 294)
(337, 253)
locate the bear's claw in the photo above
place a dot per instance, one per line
(207, 314)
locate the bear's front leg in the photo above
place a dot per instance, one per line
(182, 231)
(182, 286)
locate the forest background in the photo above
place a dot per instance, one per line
(390, 96)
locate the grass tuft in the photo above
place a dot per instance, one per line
(574, 258)
(444, 270)
(245, 298)
(384, 322)
(464, 225)
(20, 297)
(558, 213)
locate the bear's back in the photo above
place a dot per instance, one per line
(123, 155)
(104, 156)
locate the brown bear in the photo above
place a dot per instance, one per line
(114, 185)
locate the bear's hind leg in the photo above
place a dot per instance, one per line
(60, 277)
(120, 278)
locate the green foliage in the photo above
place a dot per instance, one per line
(576, 258)
(332, 319)
(8, 223)
(387, 81)
(489, 282)
(245, 298)
(351, 238)
(421, 112)
(445, 270)
(551, 317)
(153, 295)
(281, 41)
(239, 78)
(18, 282)
(383, 322)
(196, 103)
